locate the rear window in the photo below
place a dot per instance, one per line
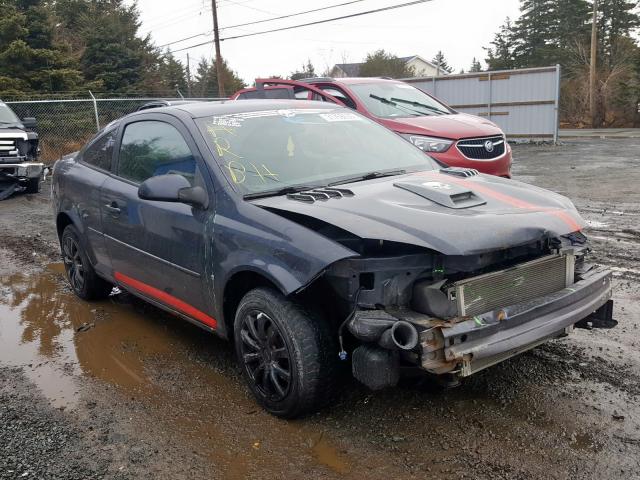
(100, 152)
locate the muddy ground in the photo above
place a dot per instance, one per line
(118, 389)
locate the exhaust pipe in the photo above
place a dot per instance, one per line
(402, 335)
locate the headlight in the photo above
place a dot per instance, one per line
(429, 144)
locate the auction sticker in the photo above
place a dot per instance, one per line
(340, 117)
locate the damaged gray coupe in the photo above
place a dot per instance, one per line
(317, 240)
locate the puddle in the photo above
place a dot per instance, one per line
(328, 455)
(58, 339)
(39, 323)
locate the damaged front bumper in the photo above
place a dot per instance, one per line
(21, 170)
(467, 346)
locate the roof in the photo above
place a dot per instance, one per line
(353, 69)
(408, 59)
(224, 107)
(350, 69)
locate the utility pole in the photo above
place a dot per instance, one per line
(188, 76)
(592, 67)
(216, 40)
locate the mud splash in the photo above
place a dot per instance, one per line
(58, 340)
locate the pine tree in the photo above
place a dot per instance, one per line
(441, 62)
(30, 58)
(206, 79)
(502, 55)
(475, 66)
(616, 19)
(307, 71)
(115, 57)
(383, 64)
(173, 74)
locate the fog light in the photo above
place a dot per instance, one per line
(22, 171)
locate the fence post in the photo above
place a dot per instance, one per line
(556, 119)
(95, 111)
(489, 101)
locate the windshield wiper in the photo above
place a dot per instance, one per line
(280, 191)
(386, 101)
(369, 176)
(418, 104)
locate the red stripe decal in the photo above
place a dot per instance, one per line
(167, 299)
(509, 200)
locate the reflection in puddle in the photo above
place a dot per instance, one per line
(39, 323)
(56, 338)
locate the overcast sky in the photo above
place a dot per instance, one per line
(460, 28)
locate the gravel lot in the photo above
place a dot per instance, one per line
(118, 389)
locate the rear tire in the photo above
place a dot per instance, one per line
(287, 354)
(83, 279)
(33, 185)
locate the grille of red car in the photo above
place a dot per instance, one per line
(486, 148)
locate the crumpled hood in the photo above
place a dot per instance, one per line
(511, 213)
(455, 126)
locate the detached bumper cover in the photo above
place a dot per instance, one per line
(484, 340)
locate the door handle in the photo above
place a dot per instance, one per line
(112, 208)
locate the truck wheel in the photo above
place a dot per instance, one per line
(33, 185)
(83, 279)
(287, 354)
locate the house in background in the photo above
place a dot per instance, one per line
(421, 68)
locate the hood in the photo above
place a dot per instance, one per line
(443, 212)
(454, 126)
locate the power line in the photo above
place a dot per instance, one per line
(292, 14)
(317, 22)
(242, 4)
(185, 39)
(265, 20)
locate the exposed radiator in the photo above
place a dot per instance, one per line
(517, 284)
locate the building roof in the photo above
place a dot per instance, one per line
(350, 69)
(353, 69)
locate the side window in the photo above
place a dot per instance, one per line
(340, 95)
(151, 148)
(99, 154)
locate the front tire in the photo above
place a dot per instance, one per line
(83, 279)
(287, 354)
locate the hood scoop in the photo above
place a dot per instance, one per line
(326, 193)
(460, 171)
(445, 194)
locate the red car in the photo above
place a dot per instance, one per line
(454, 138)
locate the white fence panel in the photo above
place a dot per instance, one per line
(524, 102)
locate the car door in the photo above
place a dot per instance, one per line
(85, 179)
(339, 94)
(157, 248)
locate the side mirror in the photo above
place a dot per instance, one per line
(173, 188)
(29, 123)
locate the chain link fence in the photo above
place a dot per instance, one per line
(64, 126)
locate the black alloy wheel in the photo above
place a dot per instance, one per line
(83, 279)
(265, 355)
(287, 353)
(73, 263)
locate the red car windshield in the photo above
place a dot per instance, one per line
(262, 150)
(390, 100)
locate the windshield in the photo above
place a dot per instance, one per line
(275, 149)
(390, 99)
(7, 115)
